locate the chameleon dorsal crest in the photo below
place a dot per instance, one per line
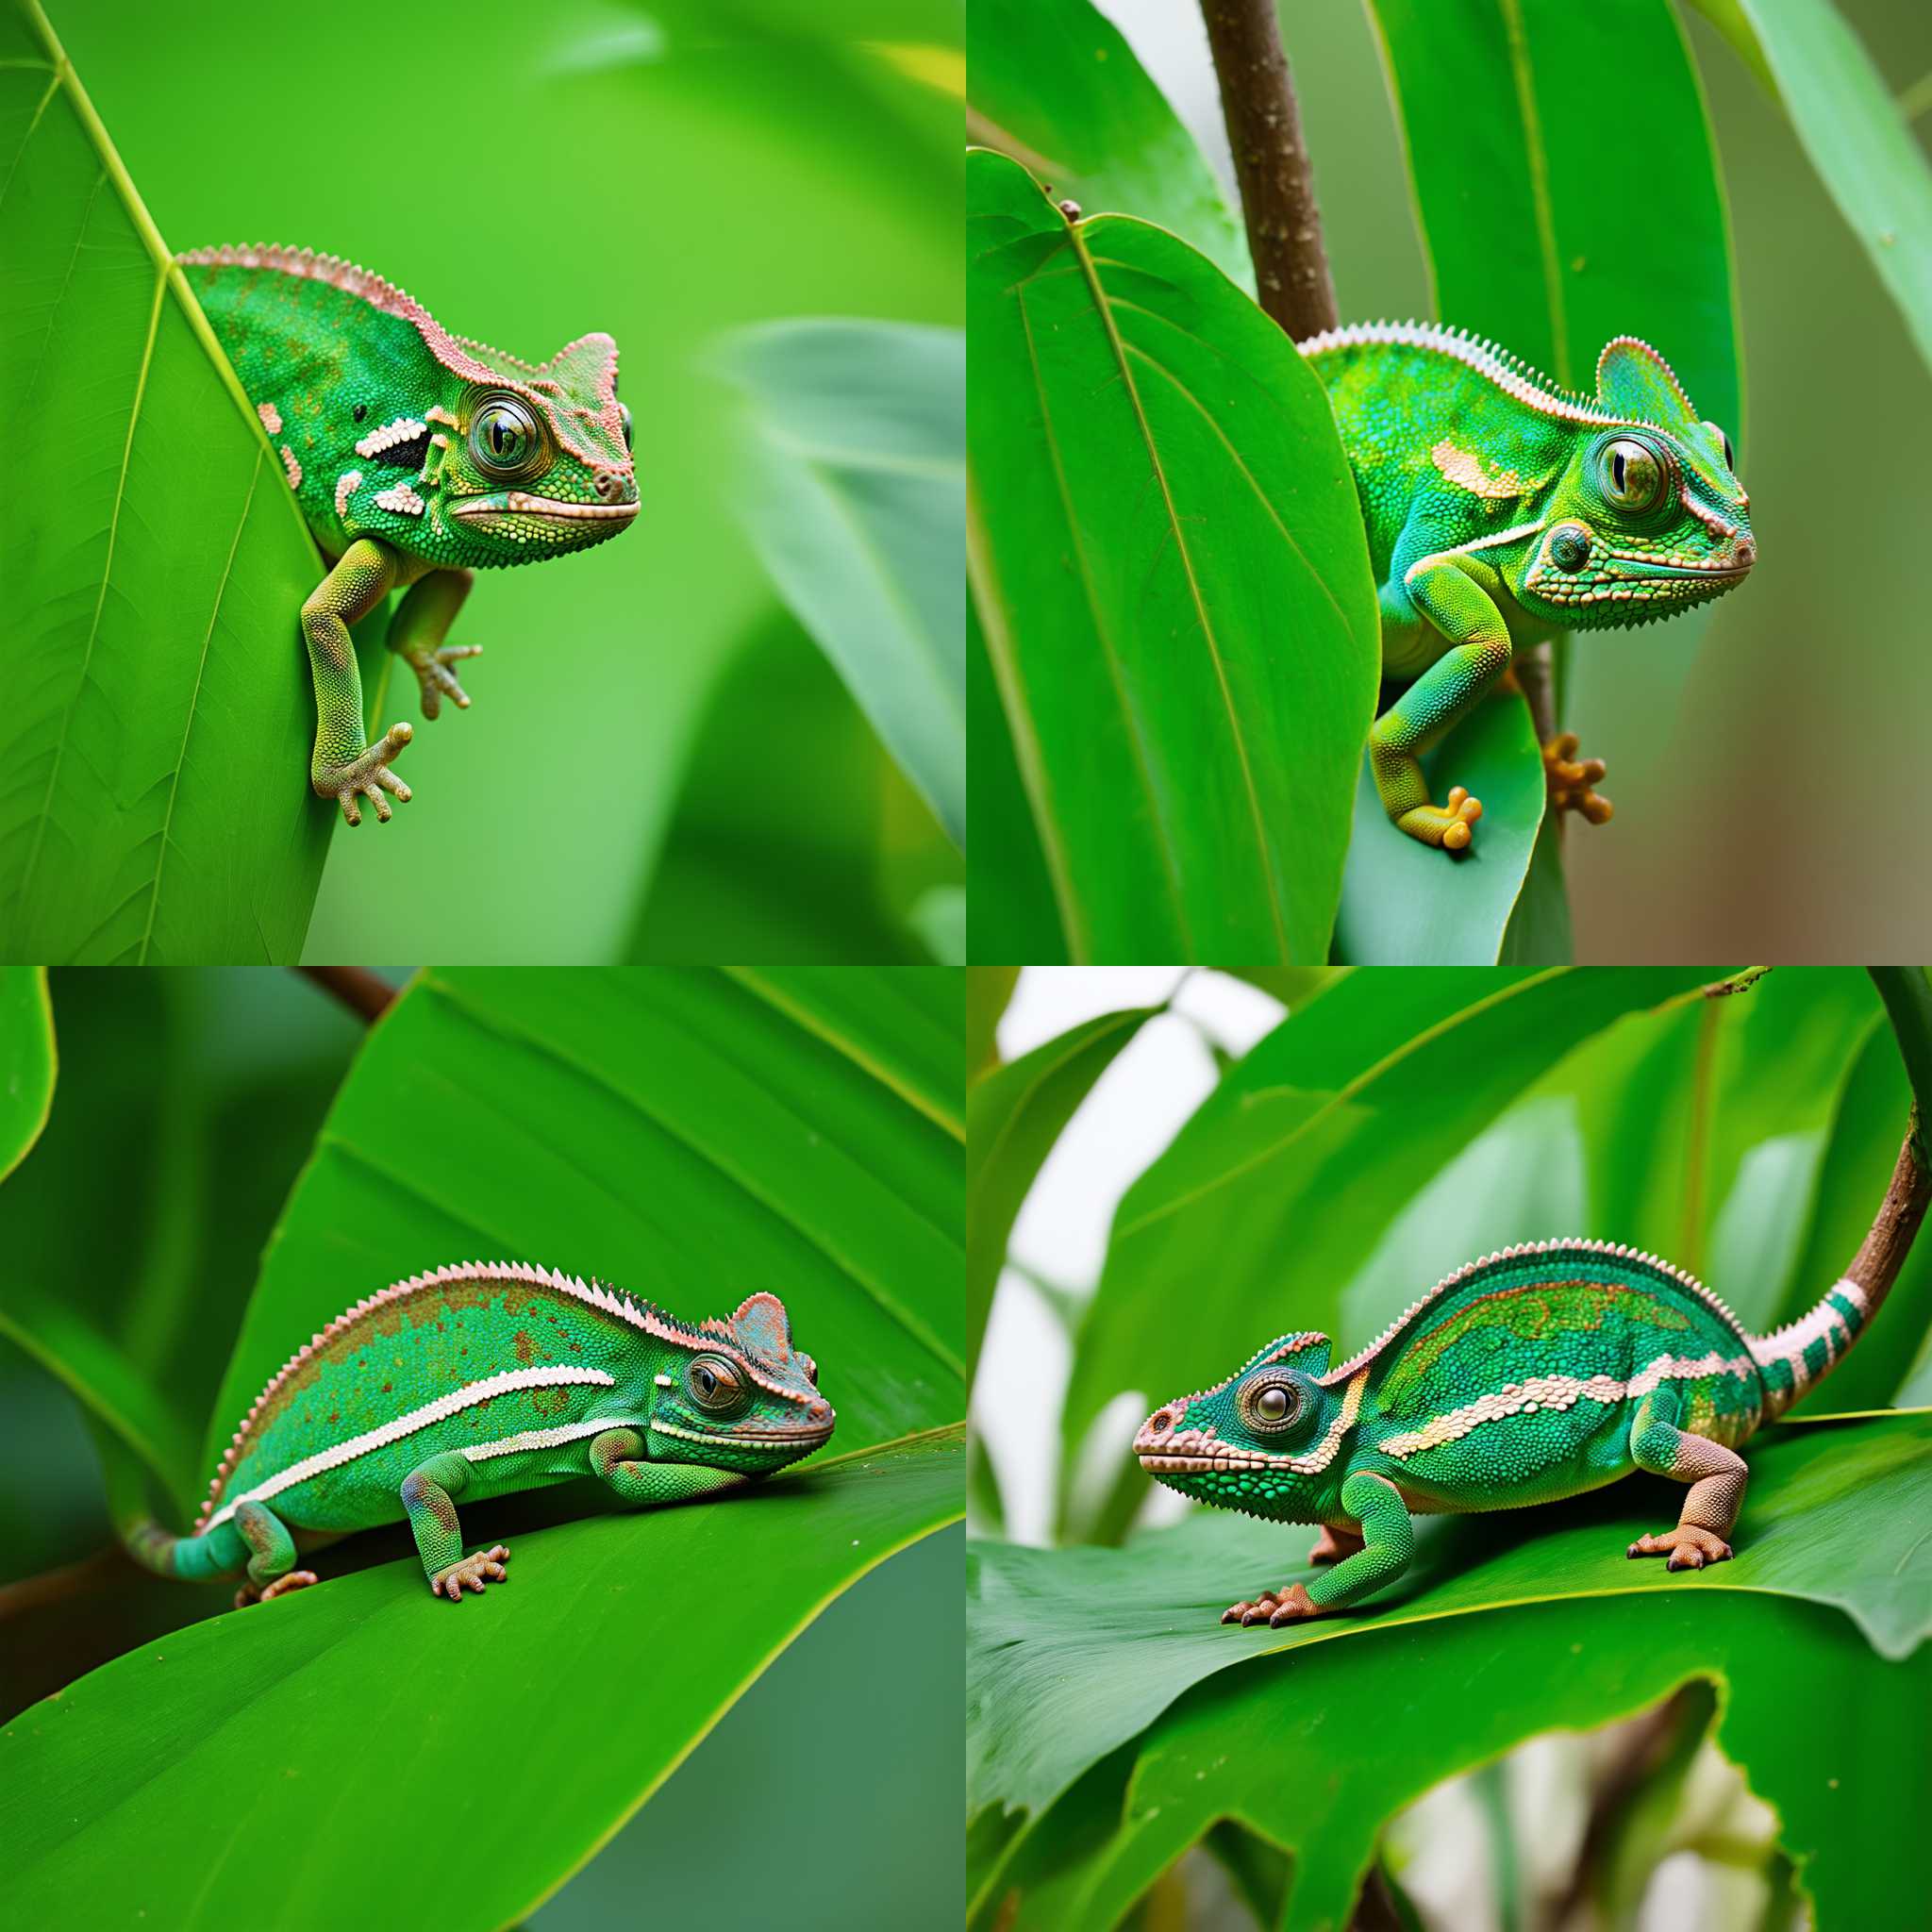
(1635, 382)
(761, 1327)
(1305, 1352)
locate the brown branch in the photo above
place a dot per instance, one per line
(1271, 164)
(1888, 1240)
(362, 992)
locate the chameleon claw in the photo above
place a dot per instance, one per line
(1297, 1607)
(368, 776)
(1687, 1546)
(1572, 781)
(294, 1580)
(435, 678)
(486, 1566)
(1450, 825)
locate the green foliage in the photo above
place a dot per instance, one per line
(539, 816)
(1171, 570)
(855, 493)
(27, 1061)
(157, 720)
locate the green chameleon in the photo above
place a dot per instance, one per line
(1539, 1372)
(480, 1379)
(417, 457)
(1501, 510)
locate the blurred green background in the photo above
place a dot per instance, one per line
(667, 172)
(1763, 819)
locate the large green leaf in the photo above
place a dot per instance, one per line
(1296, 1163)
(854, 494)
(1054, 84)
(157, 729)
(1169, 561)
(169, 1780)
(1540, 260)
(27, 1061)
(1071, 1653)
(1015, 1115)
(1852, 128)
(690, 1135)
(1408, 903)
(1420, 1702)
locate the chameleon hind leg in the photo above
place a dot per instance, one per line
(428, 1495)
(416, 635)
(272, 1570)
(1479, 653)
(1387, 1543)
(618, 1458)
(344, 766)
(1716, 1476)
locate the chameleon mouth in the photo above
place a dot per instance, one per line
(518, 502)
(1202, 1465)
(763, 1439)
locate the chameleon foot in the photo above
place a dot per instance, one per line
(1449, 824)
(486, 1566)
(368, 776)
(295, 1579)
(1332, 1545)
(434, 674)
(1572, 781)
(1688, 1547)
(1288, 1605)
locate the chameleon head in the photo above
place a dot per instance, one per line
(537, 460)
(1649, 516)
(1263, 1441)
(741, 1396)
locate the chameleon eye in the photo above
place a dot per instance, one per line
(713, 1383)
(624, 412)
(1632, 474)
(504, 437)
(1273, 1405)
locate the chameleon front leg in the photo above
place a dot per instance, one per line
(429, 1495)
(1387, 1542)
(1443, 589)
(618, 1456)
(1716, 1476)
(416, 635)
(344, 766)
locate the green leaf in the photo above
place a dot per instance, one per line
(1014, 1116)
(1296, 1163)
(690, 1134)
(157, 729)
(1259, 1744)
(186, 1104)
(1169, 561)
(1408, 903)
(854, 489)
(27, 1061)
(1850, 127)
(133, 1770)
(1053, 85)
(1072, 1653)
(1544, 262)
(988, 990)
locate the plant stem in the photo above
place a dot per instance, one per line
(365, 995)
(1907, 996)
(1271, 164)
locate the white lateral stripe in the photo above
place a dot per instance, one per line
(1560, 1393)
(404, 430)
(468, 1396)
(543, 1438)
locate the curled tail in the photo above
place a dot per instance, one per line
(1795, 1358)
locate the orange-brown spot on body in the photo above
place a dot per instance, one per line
(549, 1402)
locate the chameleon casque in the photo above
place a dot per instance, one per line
(1500, 511)
(417, 457)
(479, 1379)
(1538, 1372)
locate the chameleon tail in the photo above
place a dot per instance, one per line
(192, 1557)
(1795, 1358)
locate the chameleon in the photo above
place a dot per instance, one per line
(1540, 1371)
(480, 1378)
(417, 457)
(1500, 509)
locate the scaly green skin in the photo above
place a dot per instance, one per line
(1501, 510)
(417, 457)
(1536, 1373)
(480, 1379)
